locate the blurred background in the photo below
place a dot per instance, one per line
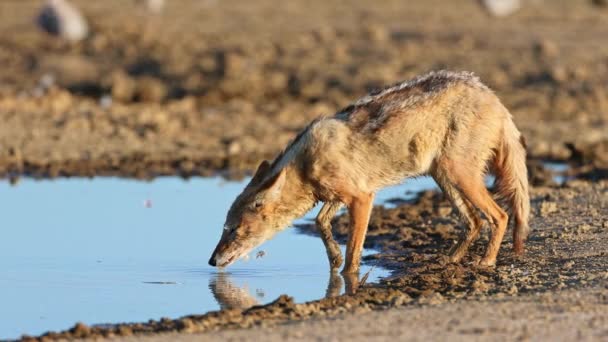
(193, 87)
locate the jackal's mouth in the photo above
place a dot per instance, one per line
(229, 257)
(228, 262)
(229, 252)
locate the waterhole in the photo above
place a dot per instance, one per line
(112, 250)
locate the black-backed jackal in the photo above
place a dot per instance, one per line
(446, 124)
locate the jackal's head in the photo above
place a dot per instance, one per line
(260, 211)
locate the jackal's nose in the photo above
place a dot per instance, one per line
(212, 261)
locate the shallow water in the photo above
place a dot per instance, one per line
(113, 250)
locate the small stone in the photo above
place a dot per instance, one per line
(377, 33)
(559, 73)
(234, 64)
(187, 325)
(234, 147)
(513, 290)
(123, 87)
(105, 102)
(81, 330)
(154, 6)
(150, 89)
(547, 48)
(547, 208)
(401, 299)
(444, 211)
(124, 330)
(434, 298)
(501, 8)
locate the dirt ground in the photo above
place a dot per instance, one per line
(212, 87)
(564, 316)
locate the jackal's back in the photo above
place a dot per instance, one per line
(399, 131)
(429, 95)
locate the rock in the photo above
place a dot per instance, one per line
(277, 81)
(559, 74)
(444, 211)
(434, 298)
(377, 33)
(154, 6)
(547, 48)
(233, 148)
(60, 18)
(187, 325)
(324, 34)
(401, 299)
(501, 8)
(105, 102)
(81, 330)
(513, 290)
(123, 87)
(547, 208)
(234, 64)
(150, 89)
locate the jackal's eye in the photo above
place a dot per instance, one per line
(257, 204)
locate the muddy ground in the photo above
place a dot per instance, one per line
(212, 87)
(562, 316)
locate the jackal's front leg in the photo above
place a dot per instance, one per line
(332, 248)
(359, 209)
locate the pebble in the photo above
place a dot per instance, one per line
(501, 8)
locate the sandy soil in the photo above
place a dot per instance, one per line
(214, 86)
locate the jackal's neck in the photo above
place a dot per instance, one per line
(297, 196)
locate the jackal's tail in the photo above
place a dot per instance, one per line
(511, 183)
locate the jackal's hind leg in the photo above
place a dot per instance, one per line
(328, 211)
(474, 190)
(467, 212)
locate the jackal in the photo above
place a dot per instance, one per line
(446, 124)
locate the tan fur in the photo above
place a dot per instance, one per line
(447, 124)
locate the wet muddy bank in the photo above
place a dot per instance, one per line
(565, 251)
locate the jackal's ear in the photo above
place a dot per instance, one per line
(260, 172)
(274, 185)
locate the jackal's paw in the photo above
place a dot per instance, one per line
(335, 261)
(454, 259)
(485, 262)
(349, 271)
(335, 256)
